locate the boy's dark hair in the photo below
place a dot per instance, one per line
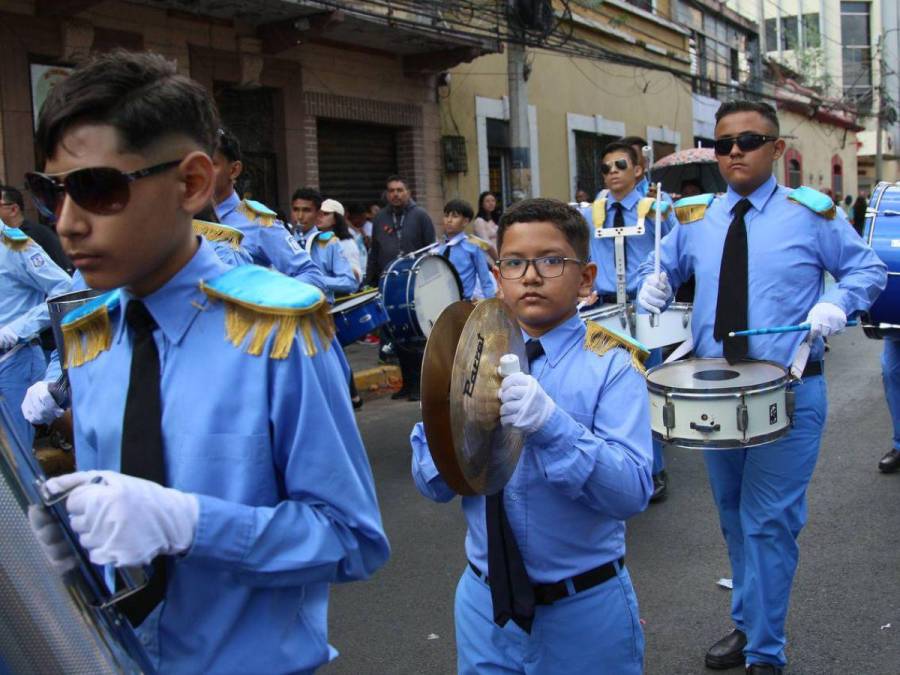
(396, 178)
(495, 214)
(460, 206)
(633, 140)
(355, 209)
(228, 145)
(309, 195)
(141, 94)
(10, 194)
(621, 146)
(567, 219)
(764, 109)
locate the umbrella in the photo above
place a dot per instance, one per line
(693, 165)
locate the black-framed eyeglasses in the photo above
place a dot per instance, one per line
(620, 164)
(547, 267)
(101, 190)
(745, 143)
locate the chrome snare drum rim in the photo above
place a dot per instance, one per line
(676, 385)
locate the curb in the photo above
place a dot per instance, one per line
(374, 379)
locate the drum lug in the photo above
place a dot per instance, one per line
(743, 419)
(790, 403)
(685, 319)
(668, 415)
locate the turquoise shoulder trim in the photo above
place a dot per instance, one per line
(261, 288)
(323, 238)
(696, 200)
(108, 301)
(815, 201)
(259, 207)
(14, 234)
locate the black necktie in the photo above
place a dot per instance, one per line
(731, 308)
(446, 252)
(512, 594)
(142, 441)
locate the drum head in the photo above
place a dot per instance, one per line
(353, 302)
(714, 375)
(436, 287)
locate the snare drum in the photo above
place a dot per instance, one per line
(882, 233)
(674, 326)
(356, 317)
(415, 290)
(711, 404)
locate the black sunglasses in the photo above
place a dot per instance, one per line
(745, 143)
(620, 164)
(101, 190)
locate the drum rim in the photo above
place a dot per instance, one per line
(416, 263)
(361, 301)
(715, 393)
(724, 444)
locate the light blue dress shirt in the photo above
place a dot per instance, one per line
(789, 249)
(272, 450)
(580, 476)
(471, 265)
(330, 258)
(270, 246)
(637, 247)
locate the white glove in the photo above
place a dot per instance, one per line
(127, 521)
(655, 293)
(525, 404)
(52, 539)
(39, 406)
(825, 319)
(8, 339)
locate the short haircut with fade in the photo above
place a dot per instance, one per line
(460, 206)
(766, 111)
(228, 145)
(621, 146)
(141, 95)
(565, 218)
(396, 178)
(308, 195)
(633, 140)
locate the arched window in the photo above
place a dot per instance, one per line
(837, 177)
(793, 168)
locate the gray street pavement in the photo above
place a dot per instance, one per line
(845, 614)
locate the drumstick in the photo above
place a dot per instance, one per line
(800, 327)
(657, 237)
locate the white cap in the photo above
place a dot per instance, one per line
(332, 206)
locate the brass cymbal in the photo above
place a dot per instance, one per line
(436, 369)
(486, 452)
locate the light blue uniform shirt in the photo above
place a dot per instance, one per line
(471, 265)
(789, 249)
(270, 246)
(579, 476)
(330, 258)
(230, 255)
(272, 450)
(637, 247)
(27, 278)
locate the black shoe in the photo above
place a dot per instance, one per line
(357, 403)
(660, 487)
(727, 652)
(890, 462)
(402, 393)
(414, 396)
(764, 669)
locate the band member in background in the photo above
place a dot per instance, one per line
(466, 256)
(759, 253)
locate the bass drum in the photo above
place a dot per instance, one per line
(882, 233)
(415, 290)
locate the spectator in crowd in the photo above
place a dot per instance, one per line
(691, 188)
(12, 212)
(582, 196)
(859, 213)
(373, 208)
(487, 218)
(331, 219)
(848, 202)
(356, 218)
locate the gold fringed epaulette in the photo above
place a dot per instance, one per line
(598, 213)
(647, 207)
(218, 232)
(14, 239)
(692, 209)
(260, 302)
(600, 340)
(257, 212)
(87, 330)
(483, 244)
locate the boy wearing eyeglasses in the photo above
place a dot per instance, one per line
(214, 436)
(546, 589)
(466, 257)
(758, 254)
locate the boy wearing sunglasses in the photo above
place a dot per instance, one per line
(197, 388)
(546, 589)
(758, 254)
(625, 205)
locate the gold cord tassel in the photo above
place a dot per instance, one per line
(600, 340)
(241, 322)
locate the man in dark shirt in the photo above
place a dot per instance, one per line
(12, 212)
(400, 228)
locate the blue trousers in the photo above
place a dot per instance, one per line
(659, 460)
(17, 373)
(761, 497)
(890, 375)
(595, 632)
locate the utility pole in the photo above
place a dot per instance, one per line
(761, 20)
(879, 114)
(519, 134)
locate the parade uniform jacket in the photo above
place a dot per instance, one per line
(269, 243)
(580, 476)
(789, 246)
(326, 252)
(637, 247)
(28, 277)
(269, 445)
(471, 265)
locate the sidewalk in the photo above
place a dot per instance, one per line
(372, 378)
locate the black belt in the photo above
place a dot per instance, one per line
(547, 594)
(813, 368)
(608, 299)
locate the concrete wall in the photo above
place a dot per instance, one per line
(818, 144)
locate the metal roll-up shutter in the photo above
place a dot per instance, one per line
(354, 159)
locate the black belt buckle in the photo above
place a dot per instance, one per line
(812, 369)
